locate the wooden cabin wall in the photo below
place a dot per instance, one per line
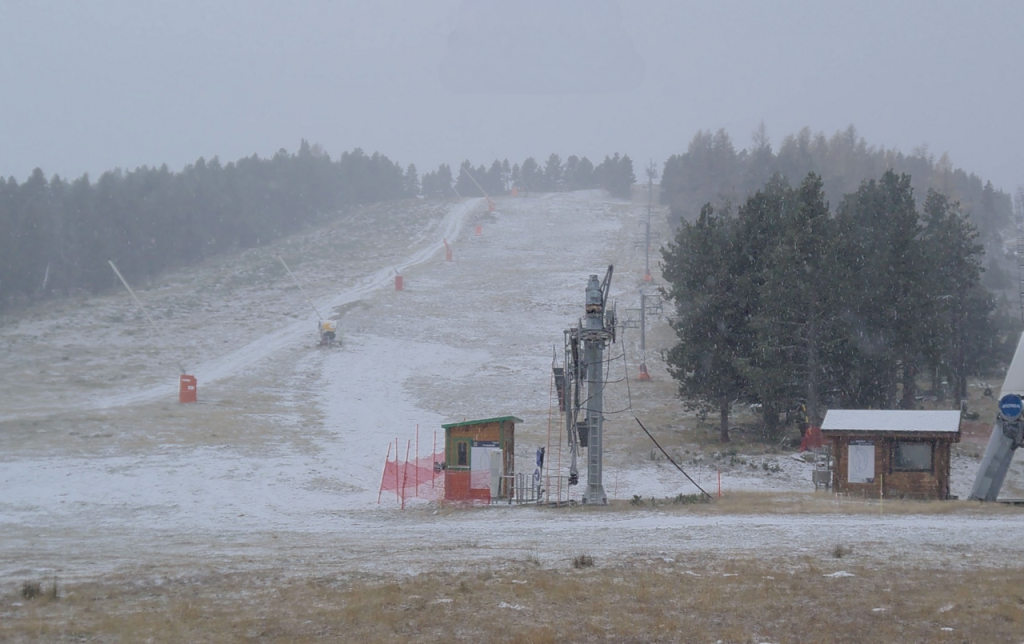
(921, 485)
(933, 485)
(840, 445)
(457, 480)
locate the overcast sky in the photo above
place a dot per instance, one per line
(89, 86)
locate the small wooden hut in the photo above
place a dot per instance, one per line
(892, 453)
(478, 454)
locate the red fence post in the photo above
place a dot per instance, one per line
(398, 493)
(384, 473)
(405, 472)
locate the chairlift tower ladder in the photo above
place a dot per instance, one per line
(584, 359)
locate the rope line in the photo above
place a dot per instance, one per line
(629, 394)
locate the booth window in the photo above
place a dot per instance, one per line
(462, 454)
(912, 456)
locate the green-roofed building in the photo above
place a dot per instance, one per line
(478, 453)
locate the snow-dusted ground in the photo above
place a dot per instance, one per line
(101, 468)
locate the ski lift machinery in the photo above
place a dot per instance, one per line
(1007, 432)
(583, 381)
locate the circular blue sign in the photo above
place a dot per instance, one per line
(1011, 406)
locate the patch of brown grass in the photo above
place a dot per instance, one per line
(694, 601)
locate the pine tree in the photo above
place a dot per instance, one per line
(492, 181)
(585, 174)
(795, 322)
(444, 181)
(570, 178)
(710, 320)
(553, 173)
(760, 226)
(56, 235)
(882, 253)
(615, 175)
(410, 182)
(530, 175)
(960, 309)
(506, 176)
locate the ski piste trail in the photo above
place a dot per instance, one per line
(471, 338)
(265, 346)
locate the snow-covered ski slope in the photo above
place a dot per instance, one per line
(101, 467)
(233, 363)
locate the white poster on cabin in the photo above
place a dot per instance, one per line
(860, 462)
(480, 464)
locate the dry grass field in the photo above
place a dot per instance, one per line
(670, 600)
(823, 591)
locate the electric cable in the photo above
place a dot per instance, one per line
(629, 395)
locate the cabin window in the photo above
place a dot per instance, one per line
(912, 457)
(462, 454)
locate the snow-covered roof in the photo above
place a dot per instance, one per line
(890, 420)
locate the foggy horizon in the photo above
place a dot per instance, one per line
(93, 88)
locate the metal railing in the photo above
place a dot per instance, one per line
(524, 488)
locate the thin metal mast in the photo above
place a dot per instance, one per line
(490, 204)
(651, 173)
(597, 331)
(302, 290)
(152, 324)
(573, 369)
(643, 326)
(594, 355)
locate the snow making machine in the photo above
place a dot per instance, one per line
(325, 329)
(1007, 432)
(327, 333)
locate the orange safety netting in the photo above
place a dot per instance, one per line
(812, 439)
(416, 478)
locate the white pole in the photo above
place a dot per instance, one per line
(281, 259)
(473, 179)
(145, 313)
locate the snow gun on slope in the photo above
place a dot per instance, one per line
(325, 328)
(187, 387)
(1007, 433)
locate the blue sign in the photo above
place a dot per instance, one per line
(1011, 407)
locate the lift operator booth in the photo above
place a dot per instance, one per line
(479, 455)
(892, 453)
